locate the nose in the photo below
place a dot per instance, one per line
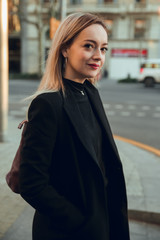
(97, 54)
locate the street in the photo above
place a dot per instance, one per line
(133, 110)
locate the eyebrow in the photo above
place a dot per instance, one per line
(89, 40)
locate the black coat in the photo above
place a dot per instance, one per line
(61, 178)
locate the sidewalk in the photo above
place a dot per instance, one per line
(141, 169)
(142, 174)
(11, 204)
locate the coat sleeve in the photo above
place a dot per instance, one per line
(40, 139)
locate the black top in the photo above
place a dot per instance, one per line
(90, 120)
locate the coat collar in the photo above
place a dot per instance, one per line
(72, 110)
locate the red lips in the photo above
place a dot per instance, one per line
(94, 65)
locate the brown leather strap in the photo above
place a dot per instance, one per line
(22, 123)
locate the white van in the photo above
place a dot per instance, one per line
(149, 72)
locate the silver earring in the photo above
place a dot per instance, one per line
(65, 63)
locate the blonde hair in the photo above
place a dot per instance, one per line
(64, 36)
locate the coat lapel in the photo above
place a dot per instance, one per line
(74, 114)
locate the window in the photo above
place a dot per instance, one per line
(140, 1)
(14, 55)
(109, 24)
(46, 53)
(139, 28)
(108, 1)
(13, 19)
(150, 65)
(14, 2)
(75, 1)
(47, 34)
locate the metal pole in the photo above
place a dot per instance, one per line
(159, 32)
(63, 9)
(3, 68)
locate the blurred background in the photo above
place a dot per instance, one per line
(129, 87)
(133, 28)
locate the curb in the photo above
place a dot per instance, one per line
(139, 145)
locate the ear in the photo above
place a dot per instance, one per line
(64, 52)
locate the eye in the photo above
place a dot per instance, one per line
(104, 50)
(88, 45)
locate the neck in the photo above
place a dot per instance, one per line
(75, 79)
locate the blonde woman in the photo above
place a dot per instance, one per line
(71, 172)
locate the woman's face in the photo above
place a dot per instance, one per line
(86, 55)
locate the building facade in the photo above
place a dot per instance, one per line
(133, 29)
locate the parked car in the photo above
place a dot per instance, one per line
(149, 72)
